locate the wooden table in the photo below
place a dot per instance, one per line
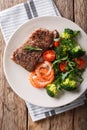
(13, 112)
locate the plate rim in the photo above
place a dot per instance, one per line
(5, 53)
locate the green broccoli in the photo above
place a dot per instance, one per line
(69, 33)
(61, 51)
(68, 84)
(76, 52)
(52, 90)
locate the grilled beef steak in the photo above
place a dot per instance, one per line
(42, 39)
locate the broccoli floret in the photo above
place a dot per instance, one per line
(65, 35)
(52, 90)
(61, 51)
(68, 84)
(77, 52)
(69, 33)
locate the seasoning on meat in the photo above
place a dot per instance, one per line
(41, 38)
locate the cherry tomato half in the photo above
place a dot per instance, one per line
(63, 66)
(56, 44)
(80, 63)
(49, 55)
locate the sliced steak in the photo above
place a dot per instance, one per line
(41, 38)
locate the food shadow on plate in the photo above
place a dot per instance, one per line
(77, 90)
(58, 96)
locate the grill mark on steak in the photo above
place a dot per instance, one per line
(41, 38)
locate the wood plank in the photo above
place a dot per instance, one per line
(65, 7)
(62, 121)
(80, 118)
(1, 84)
(4, 4)
(80, 11)
(39, 125)
(13, 111)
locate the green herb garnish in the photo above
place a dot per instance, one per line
(31, 48)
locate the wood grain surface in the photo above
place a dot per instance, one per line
(13, 112)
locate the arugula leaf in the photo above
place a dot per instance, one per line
(61, 51)
(76, 74)
(71, 64)
(64, 75)
(69, 43)
(59, 60)
(75, 33)
(58, 51)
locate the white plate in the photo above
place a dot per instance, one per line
(18, 77)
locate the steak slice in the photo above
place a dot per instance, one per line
(41, 38)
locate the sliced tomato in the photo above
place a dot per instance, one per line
(80, 63)
(56, 44)
(49, 55)
(63, 66)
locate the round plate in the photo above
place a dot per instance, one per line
(18, 76)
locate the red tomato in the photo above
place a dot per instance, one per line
(63, 66)
(49, 55)
(80, 63)
(56, 44)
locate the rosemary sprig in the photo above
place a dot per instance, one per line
(31, 48)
